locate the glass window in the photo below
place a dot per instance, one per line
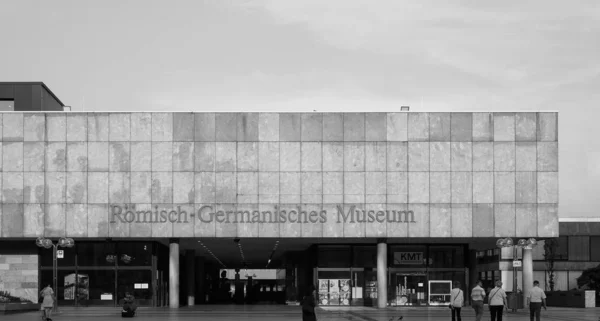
(68, 258)
(365, 256)
(594, 246)
(66, 288)
(7, 105)
(562, 251)
(135, 254)
(408, 256)
(446, 256)
(136, 282)
(334, 257)
(96, 254)
(95, 287)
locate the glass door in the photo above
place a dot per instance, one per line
(410, 289)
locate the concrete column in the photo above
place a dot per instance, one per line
(527, 272)
(174, 273)
(190, 260)
(382, 274)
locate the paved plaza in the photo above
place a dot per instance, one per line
(291, 313)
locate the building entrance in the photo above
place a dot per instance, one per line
(410, 288)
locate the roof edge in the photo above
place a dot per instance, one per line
(34, 83)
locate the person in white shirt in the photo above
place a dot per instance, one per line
(536, 298)
(456, 301)
(497, 301)
(477, 297)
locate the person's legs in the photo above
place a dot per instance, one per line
(457, 314)
(478, 306)
(493, 312)
(538, 311)
(453, 314)
(499, 312)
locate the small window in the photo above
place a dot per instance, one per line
(7, 105)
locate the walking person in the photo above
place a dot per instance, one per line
(497, 302)
(457, 300)
(47, 295)
(477, 297)
(308, 305)
(536, 299)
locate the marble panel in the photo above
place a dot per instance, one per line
(526, 124)
(547, 220)
(34, 187)
(397, 227)
(353, 219)
(333, 156)
(290, 127)
(268, 187)
(333, 127)
(397, 127)
(332, 227)
(269, 226)
(162, 229)
(483, 127)
(547, 156)
(526, 155)
(526, 185)
(56, 127)
(12, 187)
(77, 188)
(183, 188)
(141, 187)
(419, 228)
(462, 187)
(504, 220)
(56, 184)
(35, 127)
(141, 156)
(247, 156)
(311, 157)
(204, 127)
(418, 127)
(205, 187)
(312, 127)
(97, 127)
(97, 187)
(225, 187)
(205, 224)
(376, 225)
(183, 157)
(462, 220)
(97, 156)
(441, 220)
(12, 156)
(547, 127)
(162, 127)
(289, 229)
(162, 187)
(77, 156)
(375, 156)
(483, 220)
(268, 127)
(290, 156)
(183, 127)
(483, 157)
(246, 227)
(504, 156)
(55, 220)
(354, 187)
(12, 220)
(268, 156)
(461, 127)
(418, 187)
(247, 127)
(12, 127)
(119, 187)
(119, 159)
(418, 156)
(440, 189)
(397, 187)
(354, 157)
(461, 156)
(547, 187)
(247, 187)
(311, 226)
(76, 218)
(397, 156)
(526, 216)
(141, 228)
(77, 128)
(33, 220)
(440, 156)
(312, 187)
(162, 156)
(141, 127)
(504, 187)
(97, 220)
(120, 127)
(289, 187)
(333, 187)
(483, 187)
(56, 157)
(204, 156)
(504, 127)
(354, 127)
(375, 127)
(439, 127)
(375, 191)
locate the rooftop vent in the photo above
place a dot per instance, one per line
(405, 108)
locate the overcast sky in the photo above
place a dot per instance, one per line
(335, 55)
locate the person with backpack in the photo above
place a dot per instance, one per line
(456, 301)
(497, 302)
(308, 305)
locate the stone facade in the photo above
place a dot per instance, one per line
(462, 174)
(19, 275)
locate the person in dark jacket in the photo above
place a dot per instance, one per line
(308, 304)
(129, 306)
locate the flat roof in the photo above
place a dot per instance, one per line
(34, 83)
